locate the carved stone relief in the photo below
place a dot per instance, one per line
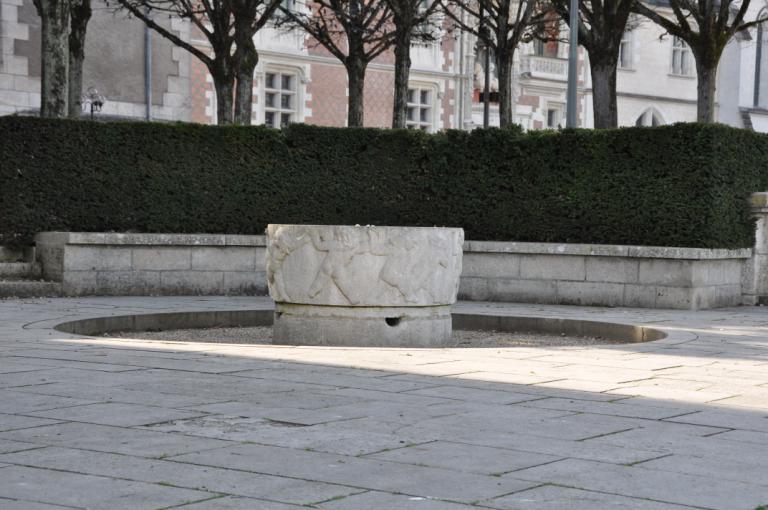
(363, 266)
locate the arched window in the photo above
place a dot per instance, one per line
(650, 117)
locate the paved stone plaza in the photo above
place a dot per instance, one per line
(115, 423)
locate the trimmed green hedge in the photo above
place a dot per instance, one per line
(681, 185)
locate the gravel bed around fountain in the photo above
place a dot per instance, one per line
(262, 335)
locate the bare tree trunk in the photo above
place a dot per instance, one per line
(356, 82)
(402, 73)
(707, 82)
(244, 95)
(504, 71)
(54, 16)
(604, 94)
(80, 14)
(246, 58)
(224, 84)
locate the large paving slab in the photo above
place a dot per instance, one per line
(119, 423)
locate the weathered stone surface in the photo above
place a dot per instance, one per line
(755, 270)
(161, 259)
(152, 264)
(171, 264)
(490, 265)
(553, 267)
(676, 423)
(362, 326)
(508, 290)
(590, 293)
(240, 283)
(371, 286)
(232, 257)
(608, 269)
(605, 250)
(96, 258)
(363, 266)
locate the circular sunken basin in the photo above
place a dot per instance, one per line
(573, 332)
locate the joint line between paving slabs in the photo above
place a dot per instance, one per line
(194, 502)
(544, 382)
(171, 459)
(631, 464)
(522, 402)
(678, 416)
(722, 398)
(384, 450)
(606, 434)
(55, 422)
(111, 477)
(639, 498)
(714, 433)
(530, 467)
(62, 505)
(667, 368)
(216, 494)
(543, 484)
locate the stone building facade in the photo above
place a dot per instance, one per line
(115, 64)
(298, 81)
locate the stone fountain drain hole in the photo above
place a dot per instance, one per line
(392, 321)
(470, 330)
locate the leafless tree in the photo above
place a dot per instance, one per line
(54, 89)
(414, 20)
(229, 26)
(80, 14)
(63, 27)
(353, 31)
(506, 23)
(707, 26)
(601, 28)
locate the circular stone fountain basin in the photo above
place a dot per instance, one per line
(363, 286)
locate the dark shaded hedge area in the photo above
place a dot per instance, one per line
(681, 185)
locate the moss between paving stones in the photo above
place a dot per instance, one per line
(680, 185)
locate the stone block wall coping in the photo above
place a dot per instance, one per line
(136, 239)
(759, 202)
(606, 250)
(601, 250)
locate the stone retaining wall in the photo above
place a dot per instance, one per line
(153, 264)
(607, 275)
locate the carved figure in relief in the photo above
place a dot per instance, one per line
(341, 248)
(408, 265)
(284, 242)
(362, 264)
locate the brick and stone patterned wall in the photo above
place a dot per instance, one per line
(329, 95)
(379, 98)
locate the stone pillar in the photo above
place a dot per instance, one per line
(367, 286)
(754, 280)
